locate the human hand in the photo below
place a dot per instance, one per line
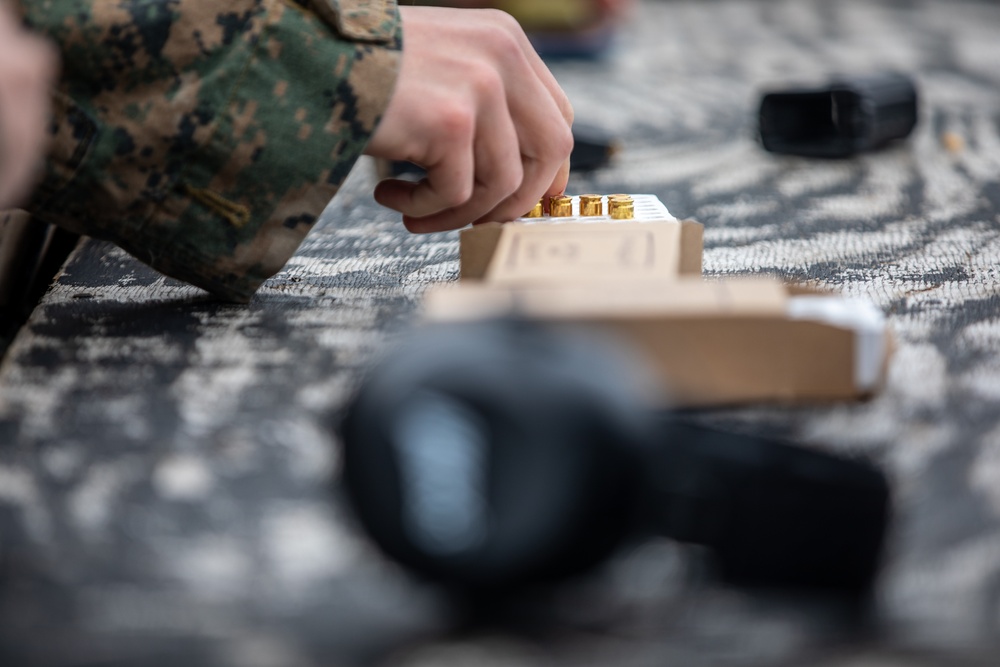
(477, 109)
(27, 70)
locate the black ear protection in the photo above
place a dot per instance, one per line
(495, 455)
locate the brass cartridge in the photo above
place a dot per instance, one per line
(536, 211)
(621, 207)
(624, 211)
(591, 205)
(561, 206)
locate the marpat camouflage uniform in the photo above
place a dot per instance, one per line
(205, 137)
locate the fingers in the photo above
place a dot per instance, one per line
(545, 149)
(476, 107)
(544, 140)
(498, 173)
(537, 65)
(473, 166)
(450, 177)
(558, 185)
(545, 143)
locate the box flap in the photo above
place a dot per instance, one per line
(642, 299)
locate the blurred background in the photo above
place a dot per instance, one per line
(170, 485)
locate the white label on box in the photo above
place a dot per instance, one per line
(867, 322)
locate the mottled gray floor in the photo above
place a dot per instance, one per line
(166, 467)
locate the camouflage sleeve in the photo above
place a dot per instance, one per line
(205, 137)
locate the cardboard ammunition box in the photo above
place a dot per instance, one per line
(711, 343)
(576, 250)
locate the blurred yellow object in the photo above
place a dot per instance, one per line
(536, 211)
(551, 14)
(952, 142)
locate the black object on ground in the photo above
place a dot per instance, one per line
(841, 118)
(497, 455)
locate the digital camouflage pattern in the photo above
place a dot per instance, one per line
(206, 137)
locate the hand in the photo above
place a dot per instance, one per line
(27, 70)
(475, 106)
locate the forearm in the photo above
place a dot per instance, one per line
(206, 139)
(27, 70)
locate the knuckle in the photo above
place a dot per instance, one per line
(457, 195)
(501, 37)
(505, 45)
(444, 190)
(486, 81)
(566, 108)
(508, 181)
(561, 142)
(503, 19)
(456, 123)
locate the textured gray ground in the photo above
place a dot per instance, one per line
(165, 492)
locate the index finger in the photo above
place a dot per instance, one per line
(540, 68)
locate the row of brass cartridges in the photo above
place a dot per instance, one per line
(620, 207)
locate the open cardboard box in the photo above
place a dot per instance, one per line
(653, 246)
(711, 342)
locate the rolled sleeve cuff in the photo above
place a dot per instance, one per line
(247, 148)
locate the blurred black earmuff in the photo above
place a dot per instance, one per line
(500, 454)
